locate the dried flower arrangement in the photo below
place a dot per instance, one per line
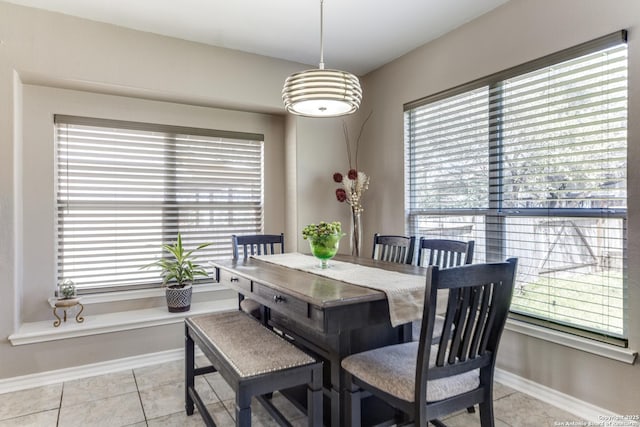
(353, 186)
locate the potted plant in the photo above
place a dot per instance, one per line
(178, 272)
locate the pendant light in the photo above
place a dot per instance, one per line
(320, 92)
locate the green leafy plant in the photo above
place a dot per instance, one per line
(321, 231)
(324, 240)
(181, 266)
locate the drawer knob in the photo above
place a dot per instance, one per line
(278, 298)
(234, 279)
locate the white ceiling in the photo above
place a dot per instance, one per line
(359, 35)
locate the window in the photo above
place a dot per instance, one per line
(531, 163)
(124, 189)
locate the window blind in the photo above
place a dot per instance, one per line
(451, 132)
(564, 148)
(549, 157)
(124, 189)
(447, 168)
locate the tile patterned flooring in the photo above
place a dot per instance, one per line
(153, 396)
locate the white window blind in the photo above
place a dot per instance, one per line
(555, 155)
(453, 131)
(126, 188)
(448, 168)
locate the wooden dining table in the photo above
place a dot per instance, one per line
(329, 318)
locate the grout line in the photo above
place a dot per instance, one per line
(60, 406)
(220, 401)
(135, 380)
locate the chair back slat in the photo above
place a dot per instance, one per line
(457, 341)
(473, 325)
(391, 253)
(478, 302)
(391, 248)
(448, 329)
(485, 343)
(482, 314)
(444, 253)
(257, 244)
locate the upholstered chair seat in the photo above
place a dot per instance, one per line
(393, 369)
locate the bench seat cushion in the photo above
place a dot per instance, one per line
(249, 347)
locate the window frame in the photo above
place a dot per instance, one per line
(496, 212)
(169, 133)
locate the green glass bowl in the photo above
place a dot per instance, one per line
(324, 248)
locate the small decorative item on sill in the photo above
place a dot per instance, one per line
(324, 240)
(67, 300)
(66, 289)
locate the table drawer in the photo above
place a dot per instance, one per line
(280, 302)
(238, 283)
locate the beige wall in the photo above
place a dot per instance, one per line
(320, 153)
(76, 64)
(519, 31)
(51, 63)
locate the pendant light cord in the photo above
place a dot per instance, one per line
(321, 65)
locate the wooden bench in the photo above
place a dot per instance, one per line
(253, 360)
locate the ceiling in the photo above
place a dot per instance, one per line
(359, 35)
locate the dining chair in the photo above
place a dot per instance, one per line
(391, 248)
(426, 380)
(444, 253)
(255, 244)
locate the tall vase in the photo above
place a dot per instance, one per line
(356, 232)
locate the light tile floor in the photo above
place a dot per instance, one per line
(153, 396)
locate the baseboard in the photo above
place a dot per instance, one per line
(84, 371)
(553, 397)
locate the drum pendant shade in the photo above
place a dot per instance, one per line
(320, 92)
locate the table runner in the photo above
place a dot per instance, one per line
(405, 292)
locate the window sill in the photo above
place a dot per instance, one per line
(36, 332)
(106, 297)
(572, 341)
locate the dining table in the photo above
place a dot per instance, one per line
(332, 313)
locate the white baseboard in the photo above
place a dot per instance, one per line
(553, 397)
(84, 371)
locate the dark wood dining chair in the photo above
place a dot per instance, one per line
(255, 244)
(426, 380)
(444, 253)
(391, 248)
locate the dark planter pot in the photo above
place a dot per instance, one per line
(178, 299)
